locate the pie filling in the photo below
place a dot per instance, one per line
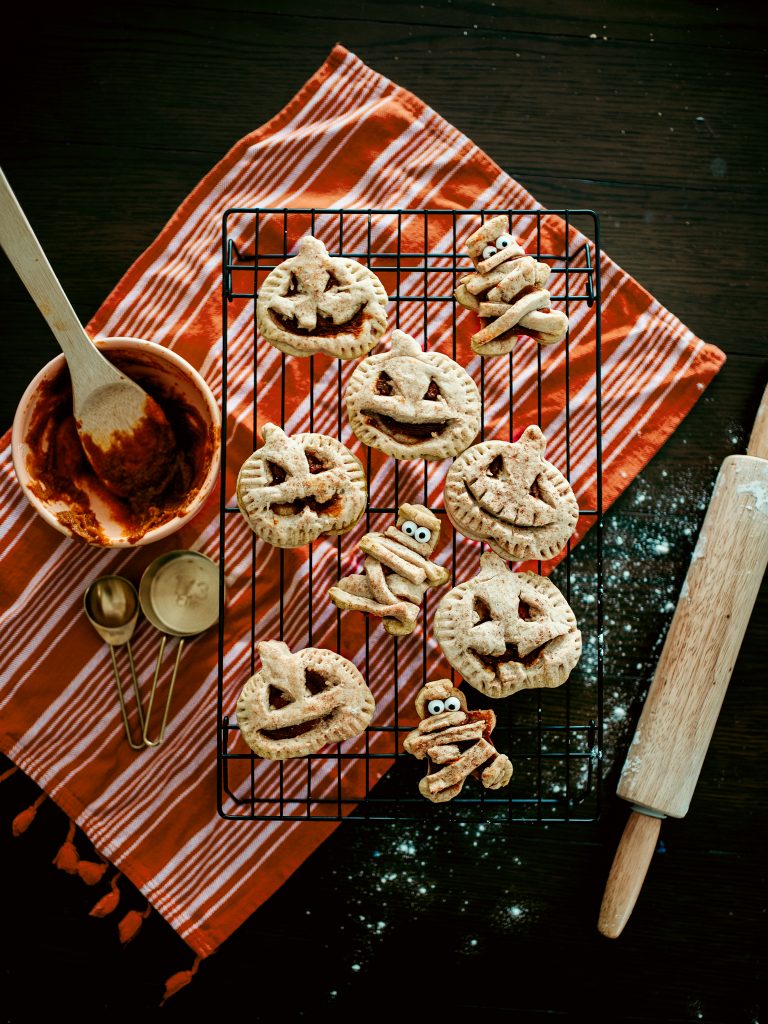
(324, 328)
(404, 433)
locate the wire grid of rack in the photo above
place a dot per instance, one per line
(554, 737)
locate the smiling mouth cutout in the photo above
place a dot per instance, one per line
(405, 433)
(535, 492)
(325, 326)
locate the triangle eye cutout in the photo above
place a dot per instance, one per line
(331, 283)
(496, 467)
(482, 611)
(535, 491)
(277, 473)
(314, 681)
(383, 385)
(315, 462)
(293, 285)
(278, 698)
(432, 393)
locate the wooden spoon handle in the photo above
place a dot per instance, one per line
(628, 871)
(31, 264)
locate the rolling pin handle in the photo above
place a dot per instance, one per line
(628, 871)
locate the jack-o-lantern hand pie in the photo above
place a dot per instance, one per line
(509, 496)
(300, 702)
(413, 404)
(314, 303)
(507, 292)
(295, 489)
(506, 631)
(456, 743)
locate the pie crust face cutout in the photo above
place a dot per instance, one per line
(314, 303)
(507, 291)
(506, 631)
(300, 702)
(413, 404)
(295, 489)
(455, 742)
(398, 571)
(509, 496)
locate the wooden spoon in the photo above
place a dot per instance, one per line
(124, 432)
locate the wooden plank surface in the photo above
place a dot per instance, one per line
(113, 113)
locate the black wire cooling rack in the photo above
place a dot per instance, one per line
(554, 737)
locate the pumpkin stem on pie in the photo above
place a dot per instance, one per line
(507, 292)
(455, 742)
(398, 571)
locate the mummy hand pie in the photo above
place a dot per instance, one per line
(455, 742)
(300, 702)
(314, 302)
(509, 496)
(398, 571)
(295, 489)
(507, 292)
(506, 631)
(413, 404)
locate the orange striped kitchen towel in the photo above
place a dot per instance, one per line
(350, 138)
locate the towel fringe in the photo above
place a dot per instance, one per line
(7, 774)
(67, 858)
(109, 901)
(129, 926)
(178, 981)
(24, 819)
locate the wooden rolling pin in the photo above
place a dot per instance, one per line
(680, 712)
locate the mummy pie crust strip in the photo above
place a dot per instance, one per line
(413, 404)
(295, 489)
(300, 702)
(509, 496)
(508, 292)
(314, 303)
(506, 631)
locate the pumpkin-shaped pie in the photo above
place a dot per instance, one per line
(314, 302)
(509, 496)
(295, 489)
(298, 703)
(413, 404)
(506, 631)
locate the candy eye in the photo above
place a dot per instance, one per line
(453, 704)
(504, 240)
(423, 535)
(409, 528)
(435, 707)
(488, 251)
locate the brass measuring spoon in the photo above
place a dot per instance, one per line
(179, 595)
(112, 607)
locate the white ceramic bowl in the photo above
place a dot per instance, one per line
(176, 375)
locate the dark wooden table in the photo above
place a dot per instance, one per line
(649, 113)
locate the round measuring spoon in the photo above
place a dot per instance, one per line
(179, 595)
(117, 421)
(112, 607)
